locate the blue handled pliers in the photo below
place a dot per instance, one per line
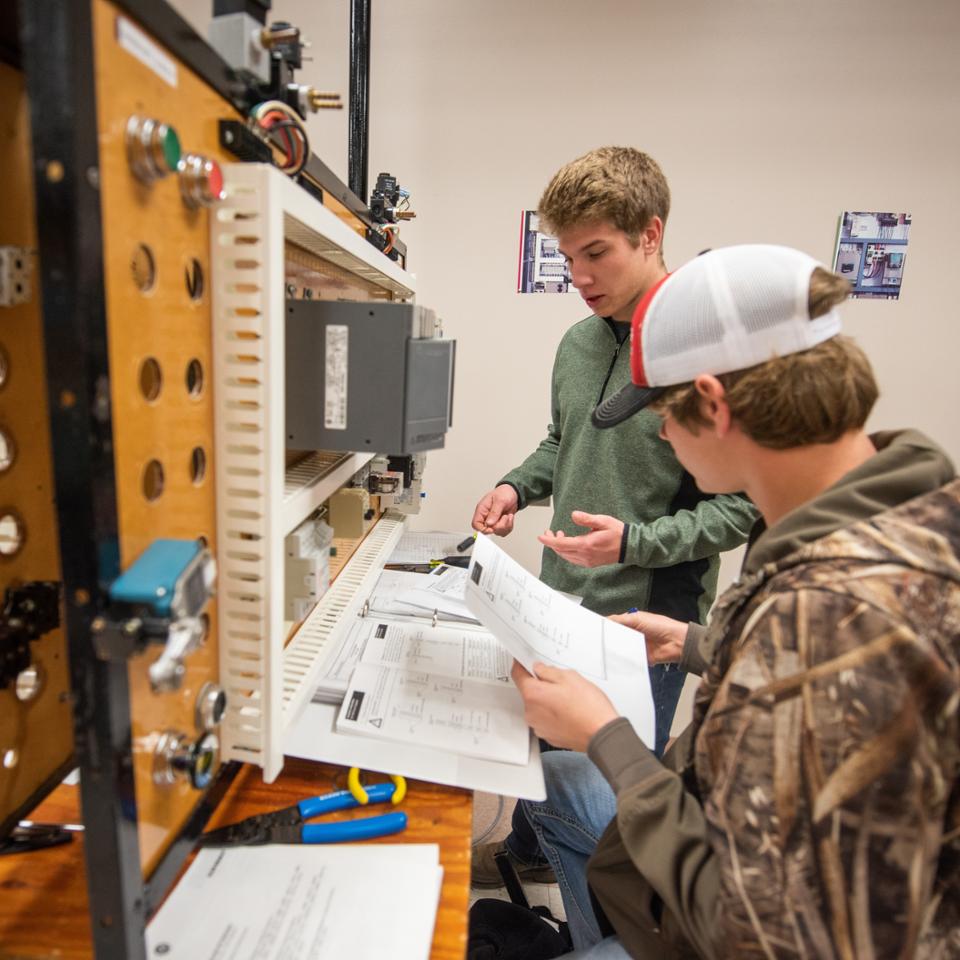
(289, 825)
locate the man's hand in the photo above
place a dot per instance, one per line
(594, 549)
(496, 510)
(665, 637)
(561, 706)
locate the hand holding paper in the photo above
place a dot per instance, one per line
(561, 706)
(536, 623)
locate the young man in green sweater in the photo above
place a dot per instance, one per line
(653, 544)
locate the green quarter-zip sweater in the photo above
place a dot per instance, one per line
(674, 534)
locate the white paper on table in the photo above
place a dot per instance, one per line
(476, 718)
(535, 623)
(299, 902)
(442, 650)
(402, 592)
(448, 650)
(421, 547)
(338, 666)
(313, 736)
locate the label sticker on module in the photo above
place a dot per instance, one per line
(139, 45)
(335, 394)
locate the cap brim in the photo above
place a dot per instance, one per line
(624, 404)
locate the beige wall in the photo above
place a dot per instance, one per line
(769, 117)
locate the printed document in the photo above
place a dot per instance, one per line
(440, 592)
(421, 547)
(439, 687)
(300, 902)
(535, 623)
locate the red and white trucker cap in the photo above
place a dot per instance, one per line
(726, 310)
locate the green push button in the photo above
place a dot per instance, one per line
(171, 147)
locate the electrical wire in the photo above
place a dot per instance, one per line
(284, 129)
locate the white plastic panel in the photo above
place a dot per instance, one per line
(258, 501)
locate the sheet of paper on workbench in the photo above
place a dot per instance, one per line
(298, 902)
(420, 547)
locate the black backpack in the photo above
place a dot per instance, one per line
(502, 930)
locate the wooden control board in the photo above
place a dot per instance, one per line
(36, 734)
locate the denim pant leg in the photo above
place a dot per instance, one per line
(522, 842)
(666, 683)
(609, 949)
(568, 824)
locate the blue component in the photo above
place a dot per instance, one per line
(152, 579)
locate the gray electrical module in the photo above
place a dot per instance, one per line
(366, 376)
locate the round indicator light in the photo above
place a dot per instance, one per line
(171, 147)
(215, 180)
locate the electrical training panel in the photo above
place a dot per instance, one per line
(174, 498)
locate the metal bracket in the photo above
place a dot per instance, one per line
(16, 273)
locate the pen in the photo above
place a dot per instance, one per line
(465, 545)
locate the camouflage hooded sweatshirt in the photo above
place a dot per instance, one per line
(812, 809)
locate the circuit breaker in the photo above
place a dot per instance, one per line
(366, 377)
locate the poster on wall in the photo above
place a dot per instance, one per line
(870, 253)
(542, 267)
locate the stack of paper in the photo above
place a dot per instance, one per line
(433, 701)
(438, 594)
(301, 902)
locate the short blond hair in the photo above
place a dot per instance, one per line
(619, 185)
(815, 396)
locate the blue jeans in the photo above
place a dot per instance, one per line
(567, 826)
(609, 949)
(666, 682)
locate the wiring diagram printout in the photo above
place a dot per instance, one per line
(437, 686)
(535, 623)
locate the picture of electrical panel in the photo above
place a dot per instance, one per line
(542, 267)
(870, 252)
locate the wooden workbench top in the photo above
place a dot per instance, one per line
(43, 897)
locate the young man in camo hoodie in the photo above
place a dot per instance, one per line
(813, 806)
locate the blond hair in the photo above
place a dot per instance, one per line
(619, 185)
(814, 396)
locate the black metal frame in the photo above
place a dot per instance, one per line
(359, 132)
(57, 53)
(56, 46)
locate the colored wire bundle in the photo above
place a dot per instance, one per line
(285, 130)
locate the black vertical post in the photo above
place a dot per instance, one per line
(57, 48)
(359, 135)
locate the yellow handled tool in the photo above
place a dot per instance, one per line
(360, 794)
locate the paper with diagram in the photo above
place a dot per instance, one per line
(535, 623)
(436, 686)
